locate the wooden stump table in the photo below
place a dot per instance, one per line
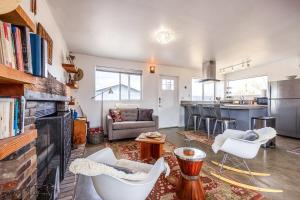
(151, 147)
(189, 185)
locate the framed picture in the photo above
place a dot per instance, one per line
(43, 33)
(33, 6)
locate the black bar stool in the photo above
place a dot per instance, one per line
(224, 121)
(208, 117)
(193, 113)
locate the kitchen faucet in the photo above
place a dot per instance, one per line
(242, 98)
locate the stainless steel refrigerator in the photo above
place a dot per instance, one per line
(284, 97)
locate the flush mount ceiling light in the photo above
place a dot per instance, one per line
(164, 36)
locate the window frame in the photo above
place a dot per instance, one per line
(169, 86)
(120, 72)
(215, 85)
(243, 79)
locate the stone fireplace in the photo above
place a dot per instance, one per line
(35, 170)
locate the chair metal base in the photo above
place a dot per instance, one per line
(237, 163)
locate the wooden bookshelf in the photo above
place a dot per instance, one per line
(18, 17)
(12, 144)
(9, 75)
(72, 85)
(70, 68)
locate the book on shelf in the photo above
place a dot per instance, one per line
(7, 45)
(36, 52)
(12, 116)
(26, 49)
(44, 53)
(22, 50)
(16, 33)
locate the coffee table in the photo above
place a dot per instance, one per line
(189, 185)
(151, 147)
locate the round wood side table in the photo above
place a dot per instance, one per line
(189, 185)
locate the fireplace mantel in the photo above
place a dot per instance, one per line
(31, 95)
(47, 89)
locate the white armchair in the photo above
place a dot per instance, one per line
(230, 143)
(112, 188)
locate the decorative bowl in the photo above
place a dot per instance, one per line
(153, 135)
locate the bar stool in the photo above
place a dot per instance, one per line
(208, 117)
(224, 121)
(193, 114)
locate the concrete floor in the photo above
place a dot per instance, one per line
(283, 166)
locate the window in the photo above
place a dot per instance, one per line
(167, 84)
(220, 90)
(197, 89)
(249, 87)
(207, 91)
(125, 84)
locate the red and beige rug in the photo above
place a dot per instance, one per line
(197, 136)
(164, 190)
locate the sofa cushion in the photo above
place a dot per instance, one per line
(132, 124)
(145, 114)
(129, 114)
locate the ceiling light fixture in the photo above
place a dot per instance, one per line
(164, 36)
(235, 67)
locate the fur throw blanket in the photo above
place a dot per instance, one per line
(88, 167)
(264, 134)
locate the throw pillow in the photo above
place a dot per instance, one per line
(116, 115)
(250, 135)
(145, 114)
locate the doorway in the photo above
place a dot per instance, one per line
(168, 102)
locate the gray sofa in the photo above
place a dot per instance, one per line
(129, 127)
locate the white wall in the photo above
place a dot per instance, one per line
(60, 49)
(150, 85)
(277, 70)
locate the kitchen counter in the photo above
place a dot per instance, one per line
(226, 105)
(241, 113)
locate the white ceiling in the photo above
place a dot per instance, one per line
(229, 31)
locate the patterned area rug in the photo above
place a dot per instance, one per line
(197, 136)
(163, 190)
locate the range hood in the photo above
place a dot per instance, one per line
(209, 71)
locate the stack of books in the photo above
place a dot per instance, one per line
(12, 115)
(22, 50)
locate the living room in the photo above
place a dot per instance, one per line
(156, 100)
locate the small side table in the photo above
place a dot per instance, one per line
(151, 147)
(80, 131)
(189, 185)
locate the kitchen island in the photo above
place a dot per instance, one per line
(242, 113)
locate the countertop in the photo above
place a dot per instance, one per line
(226, 105)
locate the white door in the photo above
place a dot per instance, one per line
(168, 103)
